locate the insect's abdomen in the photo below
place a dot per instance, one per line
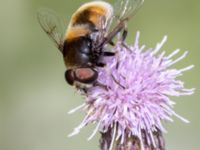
(90, 17)
(92, 14)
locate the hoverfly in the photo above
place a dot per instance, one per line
(92, 26)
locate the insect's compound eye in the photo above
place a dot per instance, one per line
(85, 75)
(69, 77)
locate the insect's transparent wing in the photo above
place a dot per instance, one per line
(101, 29)
(126, 8)
(53, 25)
(123, 11)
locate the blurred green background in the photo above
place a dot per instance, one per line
(34, 98)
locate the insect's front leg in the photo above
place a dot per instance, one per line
(125, 31)
(111, 43)
(108, 54)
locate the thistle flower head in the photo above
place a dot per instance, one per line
(133, 92)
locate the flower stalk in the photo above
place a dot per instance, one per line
(131, 142)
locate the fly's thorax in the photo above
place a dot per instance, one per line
(77, 51)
